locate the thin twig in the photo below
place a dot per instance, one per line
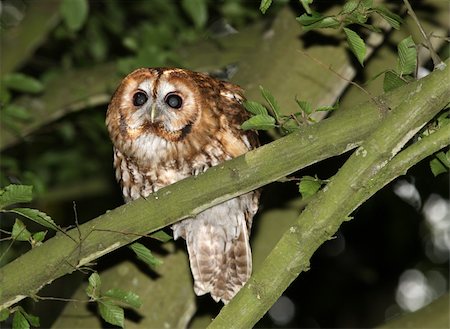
(437, 62)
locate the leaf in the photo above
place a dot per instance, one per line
(93, 288)
(39, 236)
(437, 167)
(272, 102)
(13, 194)
(356, 44)
(36, 216)
(4, 314)
(393, 19)
(308, 19)
(144, 254)
(305, 4)
(19, 321)
(407, 56)
(325, 22)
(161, 236)
(20, 232)
(32, 319)
(349, 6)
(127, 297)
(255, 107)
(17, 112)
(111, 313)
(444, 158)
(259, 122)
(309, 186)
(265, 4)
(74, 13)
(23, 83)
(392, 81)
(197, 11)
(305, 106)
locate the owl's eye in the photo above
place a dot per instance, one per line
(139, 98)
(174, 101)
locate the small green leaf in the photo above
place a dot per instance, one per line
(265, 4)
(19, 321)
(17, 112)
(308, 19)
(305, 106)
(161, 236)
(74, 13)
(93, 288)
(20, 232)
(349, 6)
(144, 254)
(393, 19)
(392, 81)
(325, 22)
(255, 107)
(356, 44)
(272, 102)
(36, 216)
(13, 194)
(367, 4)
(23, 83)
(437, 167)
(32, 319)
(444, 158)
(4, 315)
(309, 186)
(259, 122)
(127, 297)
(197, 11)
(111, 313)
(305, 4)
(39, 236)
(407, 56)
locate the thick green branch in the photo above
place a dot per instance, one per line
(61, 255)
(370, 167)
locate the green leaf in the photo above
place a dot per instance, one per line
(197, 11)
(23, 83)
(13, 194)
(161, 236)
(393, 19)
(309, 186)
(259, 122)
(444, 158)
(265, 4)
(272, 102)
(325, 22)
(392, 81)
(19, 321)
(4, 315)
(255, 107)
(367, 3)
(437, 167)
(349, 6)
(39, 236)
(32, 319)
(305, 106)
(407, 56)
(17, 112)
(308, 19)
(305, 4)
(74, 13)
(93, 288)
(20, 232)
(127, 297)
(356, 44)
(144, 254)
(111, 313)
(36, 216)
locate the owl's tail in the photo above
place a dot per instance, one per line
(221, 264)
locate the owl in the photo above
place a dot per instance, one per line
(167, 124)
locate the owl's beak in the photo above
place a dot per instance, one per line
(154, 113)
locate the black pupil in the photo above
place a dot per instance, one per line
(174, 101)
(139, 99)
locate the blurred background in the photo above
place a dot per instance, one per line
(391, 258)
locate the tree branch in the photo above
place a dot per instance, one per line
(370, 167)
(61, 255)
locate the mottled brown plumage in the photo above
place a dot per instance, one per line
(167, 124)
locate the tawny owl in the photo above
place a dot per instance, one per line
(167, 124)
